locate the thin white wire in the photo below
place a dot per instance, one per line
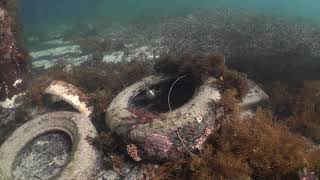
(172, 88)
(177, 131)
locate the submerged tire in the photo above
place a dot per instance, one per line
(168, 135)
(84, 158)
(70, 94)
(171, 134)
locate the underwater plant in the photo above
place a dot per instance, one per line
(299, 108)
(258, 148)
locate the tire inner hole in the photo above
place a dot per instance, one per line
(44, 157)
(155, 98)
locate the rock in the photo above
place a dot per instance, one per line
(110, 175)
(107, 175)
(12, 60)
(142, 172)
(134, 173)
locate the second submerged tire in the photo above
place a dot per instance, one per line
(84, 158)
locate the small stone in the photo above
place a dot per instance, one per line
(60, 161)
(140, 172)
(134, 173)
(110, 175)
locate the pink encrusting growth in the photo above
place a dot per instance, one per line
(203, 138)
(157, 145)
(143, 116)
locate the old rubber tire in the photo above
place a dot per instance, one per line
(159, 139)
(84, 158)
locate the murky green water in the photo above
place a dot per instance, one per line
(42, 13)
(269, 40)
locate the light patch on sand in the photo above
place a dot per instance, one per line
(56, 42)
(43, 63)
(56, 51)
(72, 61)
(144, 52)
(78, 60)
(114, 57)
